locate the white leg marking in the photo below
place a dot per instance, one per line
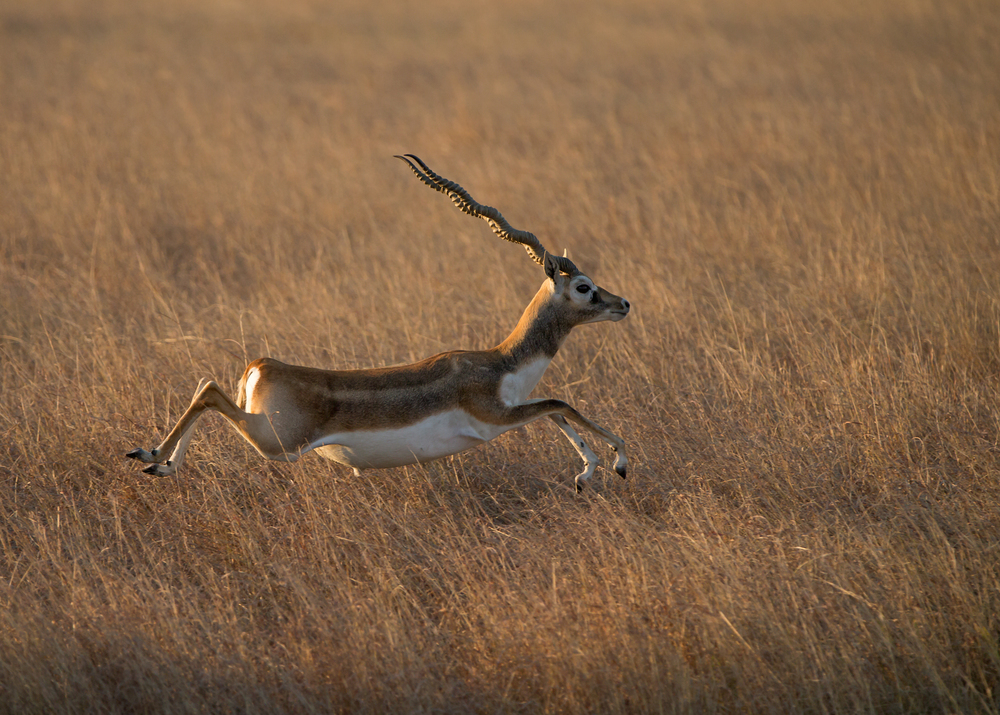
(586, 453)
(621, 462)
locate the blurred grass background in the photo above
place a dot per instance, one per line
(800, 199)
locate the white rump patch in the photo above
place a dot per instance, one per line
(248, 388)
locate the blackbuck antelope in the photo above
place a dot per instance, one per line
(388, 417)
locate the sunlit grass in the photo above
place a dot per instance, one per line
(801, 201)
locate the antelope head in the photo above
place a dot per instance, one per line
(572, 293)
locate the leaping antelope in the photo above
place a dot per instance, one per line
(389, 417)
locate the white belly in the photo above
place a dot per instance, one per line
(432, 438)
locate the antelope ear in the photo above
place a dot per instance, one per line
(551, 266)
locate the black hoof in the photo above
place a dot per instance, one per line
(152, 469)
(579, 486)
(134, 454)
(621, 472)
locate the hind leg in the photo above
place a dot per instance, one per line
(255, 428)
(170, 467)
(181, 434)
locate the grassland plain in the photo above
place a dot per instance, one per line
(801, 200)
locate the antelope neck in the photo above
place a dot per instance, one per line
(539, 333)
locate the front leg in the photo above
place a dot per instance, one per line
(560, 412)
(586, 453)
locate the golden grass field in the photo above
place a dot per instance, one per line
(801, 199)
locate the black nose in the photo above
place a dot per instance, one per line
(625, 304)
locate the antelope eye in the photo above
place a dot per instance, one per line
(583, 288)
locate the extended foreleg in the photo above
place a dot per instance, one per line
(590, 460)
(560, 412)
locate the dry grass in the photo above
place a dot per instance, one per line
(801, 200)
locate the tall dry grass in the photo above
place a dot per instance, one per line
(801, 200)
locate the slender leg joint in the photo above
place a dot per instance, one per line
(143, 456)
(621, 462)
